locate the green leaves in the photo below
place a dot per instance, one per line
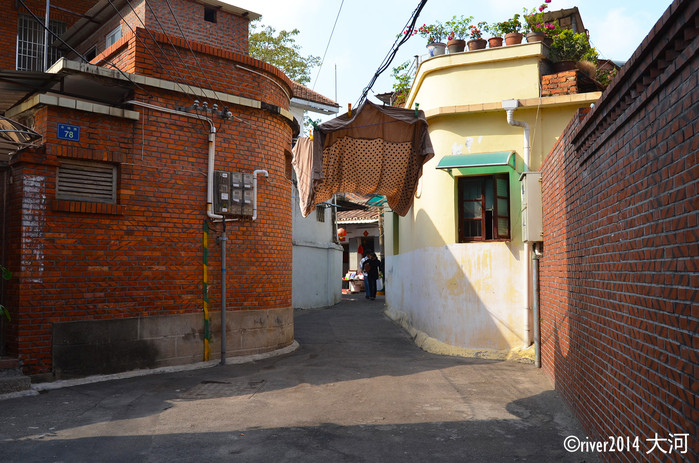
(281, 50)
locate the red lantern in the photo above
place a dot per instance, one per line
(341, 234)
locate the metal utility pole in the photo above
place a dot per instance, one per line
(47, 16)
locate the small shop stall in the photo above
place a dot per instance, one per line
(355, 281)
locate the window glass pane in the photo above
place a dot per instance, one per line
(472, 228)
(502, 186)
(503, 210)
(503, 228)
(472, 190)
(489, 193)
(472, 209)
(113, 36)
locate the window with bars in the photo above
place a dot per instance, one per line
(30, 43)
(484, 208)
(87, 181)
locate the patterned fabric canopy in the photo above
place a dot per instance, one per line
(379, 150)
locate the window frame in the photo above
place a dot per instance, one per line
(210, 14)
(113, 37)
(29, 46)
(482, 221)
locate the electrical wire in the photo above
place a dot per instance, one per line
(402, 38)
(80, 55)
(327, 46)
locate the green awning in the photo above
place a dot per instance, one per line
(499, 158)
(378, 200)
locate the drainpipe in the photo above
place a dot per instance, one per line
(509, 106)
(212, 150)
(209, 205)
(535, 306)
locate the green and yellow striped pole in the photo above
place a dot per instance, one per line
(205, 287)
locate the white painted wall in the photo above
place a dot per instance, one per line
(317, 260)
(466, 295)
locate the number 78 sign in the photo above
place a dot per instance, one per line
(68, 132)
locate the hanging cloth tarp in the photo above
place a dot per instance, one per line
(379, 150)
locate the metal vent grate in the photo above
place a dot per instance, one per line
(87, 181)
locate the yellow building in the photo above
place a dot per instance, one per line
(458, 273)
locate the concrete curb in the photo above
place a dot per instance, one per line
(434, 346)
(40, 387)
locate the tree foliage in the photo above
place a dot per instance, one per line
(280, 50)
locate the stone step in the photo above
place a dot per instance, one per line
(11, 377)
(8, 363)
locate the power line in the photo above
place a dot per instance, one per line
(328, 45)
(402, 38)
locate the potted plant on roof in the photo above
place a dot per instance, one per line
(538, 30)
(477, 41)
(495, 34)
(568, 48)
(512, 28)
(434, 33)
(458, 30)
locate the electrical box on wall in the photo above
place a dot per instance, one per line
(233, 193)
(532, 223)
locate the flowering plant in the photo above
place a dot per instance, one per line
(434, 33)
(476, 32)
(458, 27)
(535, 21)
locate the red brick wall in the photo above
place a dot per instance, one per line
(145, 257)
(171, 58)
(228, 34)
(11, 9)
(619, 275)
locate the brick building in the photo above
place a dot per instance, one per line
(103, 221)
(619, 273)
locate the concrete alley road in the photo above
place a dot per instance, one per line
(357, 390)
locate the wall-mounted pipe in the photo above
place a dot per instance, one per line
(509, 106)
(535, 306)
(211, 150)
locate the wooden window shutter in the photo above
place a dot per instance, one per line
(87, 181)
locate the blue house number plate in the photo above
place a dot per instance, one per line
(68, 132)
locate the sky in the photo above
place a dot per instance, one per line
(366, 30)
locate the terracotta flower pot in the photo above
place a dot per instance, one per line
(513, 38)
(476, 44)
(535, 37)
(456, 45)
(494, 42)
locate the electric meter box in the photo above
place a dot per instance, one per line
(532, 223)
(233, 193)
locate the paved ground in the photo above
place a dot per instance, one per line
(357, 390)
